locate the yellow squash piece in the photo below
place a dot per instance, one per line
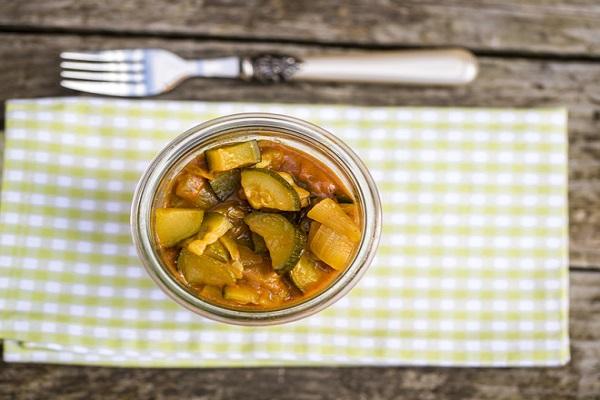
(213, 227)
(332, 248)
(329, 213)
(175, 224)
(234, 253)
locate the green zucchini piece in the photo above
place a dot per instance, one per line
(175, 224)
(267, 189)
(303, 194)
(225, 183)
(241, 294)
(217, 251)
(258, 243)
(233, 156)
(196, 190)
(329, 213)
(284, 241)
(204, 270)
(306, 273)
(213, 227)
(249, 258)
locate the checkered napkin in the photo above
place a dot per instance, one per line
(471, 270)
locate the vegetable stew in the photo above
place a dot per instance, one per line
(256, 225)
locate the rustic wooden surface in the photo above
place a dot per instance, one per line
(532, 53)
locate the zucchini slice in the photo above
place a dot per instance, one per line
(258, 243)
(306, 273)
(284, 241)
(303, 194)
(204, 270)
(248, 258)
(217, 251)
(241, 294)
(332, 247)
(196, 190)
(225, 183)
(213, 227)
(233, 156)
(329, 213)
(267, 189)
(175, 224)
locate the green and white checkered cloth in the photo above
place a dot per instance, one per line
(471, 270)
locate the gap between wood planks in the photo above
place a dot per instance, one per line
(504, 53)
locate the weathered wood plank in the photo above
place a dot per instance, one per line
(30, 69)
(579, 379)
(550, 26)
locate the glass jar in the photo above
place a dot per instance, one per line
(286, 130)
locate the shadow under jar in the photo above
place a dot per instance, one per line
(234, 227)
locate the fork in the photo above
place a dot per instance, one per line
(148, 72)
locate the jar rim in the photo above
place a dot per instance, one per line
(197, 137)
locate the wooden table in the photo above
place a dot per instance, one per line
(532, 53)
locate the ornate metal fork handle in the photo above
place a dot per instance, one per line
(147, 72)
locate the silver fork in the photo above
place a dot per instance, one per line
(148, 72)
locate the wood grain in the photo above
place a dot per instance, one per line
(580, 379)
(29, 69)
(522, 26)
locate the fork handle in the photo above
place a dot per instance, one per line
(433, 67)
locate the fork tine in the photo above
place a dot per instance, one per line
(107, 55)
(107, 88)
(104, 76)
(91, 66)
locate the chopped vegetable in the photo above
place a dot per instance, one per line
(329, 213)
(259, 243)
(196, 190)
(267, 189)
(248, 257)
(213, 227)
(204, 270)
(225, 183)
(314, 226)
(303, 194)
(352, 211)
(306, 273)
(331, 247)
(284, 241)
(233, 156)
(241, 294)
(175, 224)
(235, 211)
(217, 251)
(270, 158)
(234, 253)
(212, 292)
